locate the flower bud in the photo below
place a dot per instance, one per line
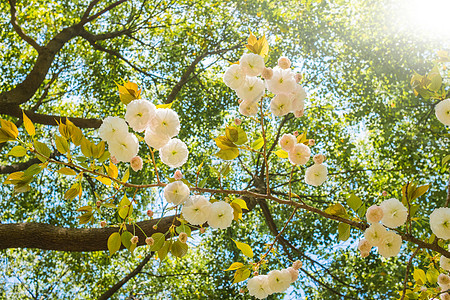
(136, 163)
(384, 193)
(150, 241)
(150, 213)
(364, 254)
(284, 62)
(374, 214)
(296, 133)
(255, 273)
(297, 264)
(242, 291)
(98, 203)
(319, 158)
(267, 73)
(134, 239)
(237, 121)
(240, 101)
(364, 246)
(298, 77)
(178, 175)
(183, 237)
(155, 227)
(103, 224)
(114, 160)
(202, 230)
(299, 113)
(311, 142)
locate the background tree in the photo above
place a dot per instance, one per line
(63, 59)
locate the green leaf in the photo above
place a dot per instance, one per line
(33, 170)
(224, 143)
(228, 154)
(361, 211)
(125, 207)
(72, 192)
(336, 210)
(114, 242)
(183, 228)
(432, 275)
(246, 249)
(236, 135)
(179, 249)
(61, 144)
(420, 191)
(344, 231)
(235, 266)
(281, 153)
(126, 239)
(17, 151)
(354, 202)
(67, 171)
(445, 159)
(162, 253)
(159, 239)
(29, 127)
(258, 144)
(85, 218)
(241, 275)
(435, 79)
(42, 149)
(419, 276)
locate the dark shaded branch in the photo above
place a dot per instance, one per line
(16, 111)
(405, 281)
(19, 30)
(18, 167)
(118, 285)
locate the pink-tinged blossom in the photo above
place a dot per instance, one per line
(178, 175)
(136, 163)
(374, 214)
(284, 62)
(267, 73)
(319, 158)
(287, 142)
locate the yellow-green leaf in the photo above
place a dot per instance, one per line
(246, 249)
(126, 239)
(168, 105)
(106, 181)
(159, 239)
(112, 170)
(241, 275)
(419, 276)
(258, 144)
(224, 143)
(29, 127)
(432, 275)
(241, 203)
(17, 151)
(126, 175)
(228, 154)
(114, 243)
(43, 150)
(281, 153)
(235, 266)
(125, 207)
(61, 144)
(67, 171)
(344, 231)
(9, 129)
(337, 210)
(354, 202)
(179, 249)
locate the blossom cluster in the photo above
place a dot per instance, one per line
(281, 81)
(391, 213)
(160, 125)
(197, 210)
(276, 281)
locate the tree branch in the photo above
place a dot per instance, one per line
(19, 30)
(118, 285)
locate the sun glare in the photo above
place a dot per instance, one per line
(429, 17)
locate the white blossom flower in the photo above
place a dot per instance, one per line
(364, 245)
(139, 113)
(364, 254)
(248, 108)
(443, 279)
(279, 280)
(251, 90)
(299, 113)
(287, 142)
(294, 274)
(234, 77)
(258, 286)
(374, 214)
(442, 110)
(440, 222)
(445, 263)
(445, 296)
(280, 105)
(299, 155)
(124, 148)
(165, 122)
(375, 234)
(284, 62)
(316, 174)
(174, 153)
(298, 97)
(282, 81)
(136, 163)
(220, 215)
(394, 213)
(252, 64)
(112, 128)
(155, 139)
(196, 210)
(390, 244)
(176, 192)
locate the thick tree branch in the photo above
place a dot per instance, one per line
(119, 284)
(16, 111)
(18, 167)
(19, 30)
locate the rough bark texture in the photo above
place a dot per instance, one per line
(50, 237)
